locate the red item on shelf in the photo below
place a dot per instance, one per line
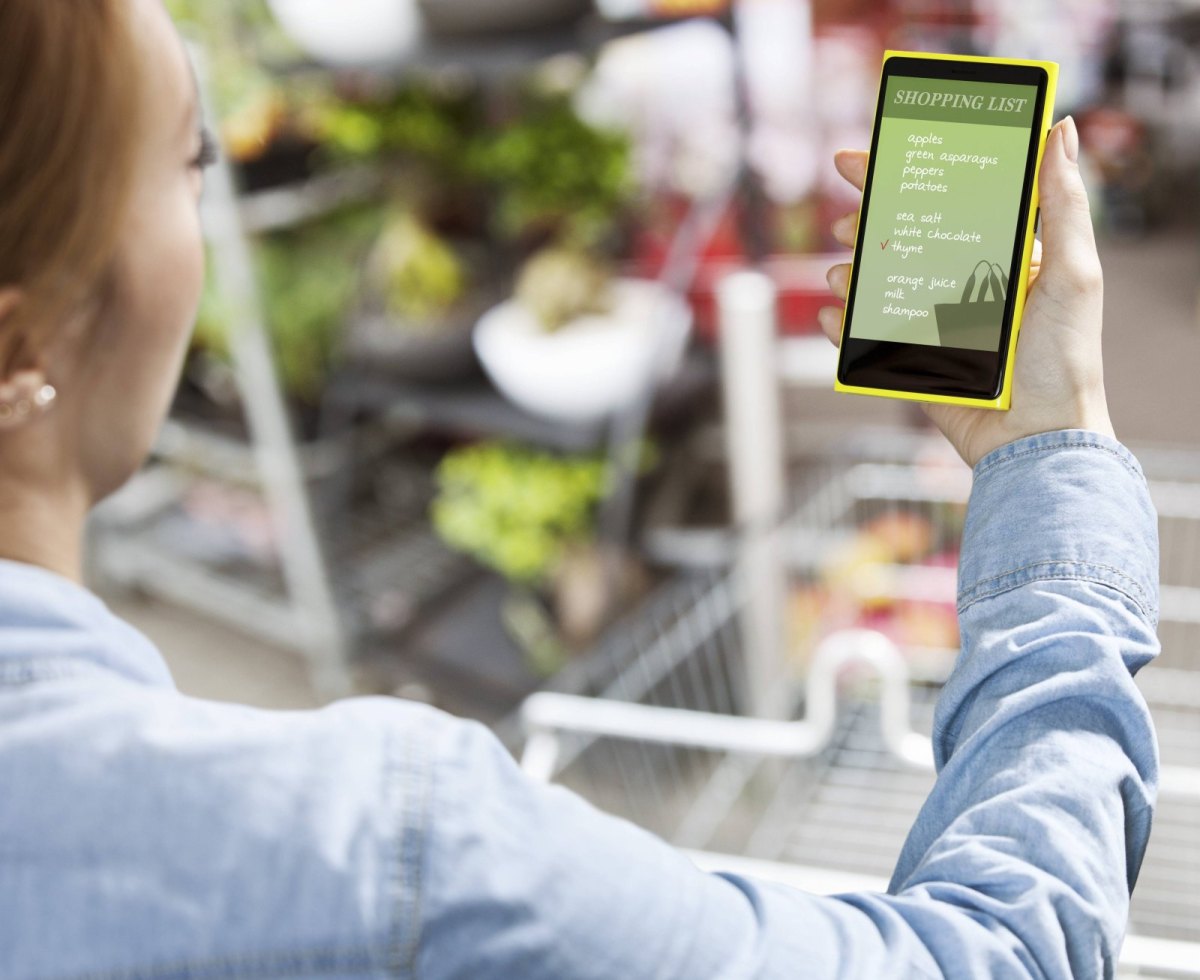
(799, 277)
(661, 220)
(800, 280)
(688, 8)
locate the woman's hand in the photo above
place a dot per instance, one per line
(1058, 377)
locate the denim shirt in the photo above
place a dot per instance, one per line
(146, 834)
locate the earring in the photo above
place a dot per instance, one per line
(44, 397)
(22, 397)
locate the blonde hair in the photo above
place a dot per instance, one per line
(69, 117)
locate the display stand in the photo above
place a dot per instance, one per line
(316, 601)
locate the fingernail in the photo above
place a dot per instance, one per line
(1070, 138)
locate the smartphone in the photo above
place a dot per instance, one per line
(946, 229)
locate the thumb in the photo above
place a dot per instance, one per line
(1068, 242)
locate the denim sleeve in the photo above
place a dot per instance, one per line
(1020, 863)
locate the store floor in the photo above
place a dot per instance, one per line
(1152, 353)
(1152, 338)
(209, 660)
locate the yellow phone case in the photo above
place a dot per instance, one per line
(1004, 401)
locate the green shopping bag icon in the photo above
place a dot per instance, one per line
(974, 324)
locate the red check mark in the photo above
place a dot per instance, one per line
(884, 244)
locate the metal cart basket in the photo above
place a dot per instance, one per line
(823, 793)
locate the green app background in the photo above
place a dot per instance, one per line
(978, 201)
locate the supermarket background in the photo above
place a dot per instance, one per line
(507, 383)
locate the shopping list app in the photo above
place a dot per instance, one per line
(943, 212)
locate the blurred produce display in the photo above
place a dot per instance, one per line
(462, 221)
(517, 510)
(592, 365)
(892, 574)
(420, 275)
(309, 278)
(553, 173)
(560, 284)
(464, 178)
(549, 173)
(421, 120)
(531, 517)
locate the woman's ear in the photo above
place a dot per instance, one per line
(24, 391)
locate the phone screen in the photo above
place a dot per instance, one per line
(942, 227)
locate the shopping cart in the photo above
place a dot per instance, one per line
(823, 793)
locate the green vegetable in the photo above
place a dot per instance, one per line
(554, 171)
(308, 278)
(416, 121)
(561, 284)
(421, 276)
(515, 509)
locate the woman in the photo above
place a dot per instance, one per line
(147, 834)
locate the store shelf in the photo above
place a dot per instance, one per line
(284, 207)
(316, 566)
(202, 449)
(490, 57)
(474, 409)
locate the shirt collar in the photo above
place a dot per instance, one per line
(48, 619)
